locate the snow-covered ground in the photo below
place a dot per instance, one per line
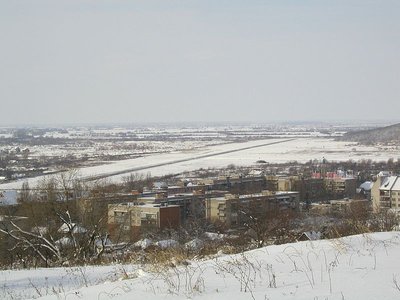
(357, 267)
(299, 149)
(34, 283)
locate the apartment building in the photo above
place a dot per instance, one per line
(95, 207)
(340, 206)
(314, 188)
(227, 209)
(385, 192)
(191, 204)
(126, 221)
(279, 183)
(341, 187)
(311, 189)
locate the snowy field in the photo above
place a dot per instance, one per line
(94, 141)
(357, 267)
(270, 150)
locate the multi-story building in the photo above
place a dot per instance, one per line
(239, 183)
(271, 182)
(345, 205)
(126, 221)
(228, 209)
(223, 209)
(310, 189)
(340, 187)
(286, 183)
(95, 207)
(385, 192)
(191, 204)
(340, 206)
(316, 188)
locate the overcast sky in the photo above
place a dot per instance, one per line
(70, 61)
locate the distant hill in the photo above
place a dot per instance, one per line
(382, 135)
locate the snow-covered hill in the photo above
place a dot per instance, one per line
(356, 267)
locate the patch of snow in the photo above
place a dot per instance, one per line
(195, 244)
(144, 243)
(76, 228)
(64, 241)
(215, 236)
(167, 244)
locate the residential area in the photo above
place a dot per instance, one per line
(247, 207)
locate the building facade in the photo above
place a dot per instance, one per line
(227, 210)
(385, 193)
(126, 221)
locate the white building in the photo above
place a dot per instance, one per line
(385, 192)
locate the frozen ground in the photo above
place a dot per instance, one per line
(357, 267)
(299, 149)
(33, 283)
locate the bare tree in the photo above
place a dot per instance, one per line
(385, 220)
(52, 231)
(66, 183)
(25, 194)
(36, 242)
(264, 224)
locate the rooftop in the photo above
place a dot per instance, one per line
(390, 183)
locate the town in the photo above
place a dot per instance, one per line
(67, 220)
(199, 150)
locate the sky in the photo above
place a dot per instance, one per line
(116, 61)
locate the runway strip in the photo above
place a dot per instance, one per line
(141, 168)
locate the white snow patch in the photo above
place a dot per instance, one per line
(195, 244)
(144, 243)
(167, 244)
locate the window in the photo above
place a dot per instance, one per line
(120, 216)
(148, 216)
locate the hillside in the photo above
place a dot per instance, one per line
(356, 267)
(382, 135)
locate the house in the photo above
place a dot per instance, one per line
(310, 236)
(365, 189)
